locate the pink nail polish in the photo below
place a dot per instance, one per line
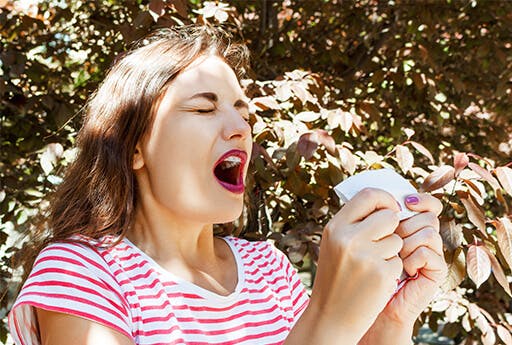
(412, 200)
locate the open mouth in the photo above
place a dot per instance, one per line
(229, 170)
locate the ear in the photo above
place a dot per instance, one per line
(138, 159)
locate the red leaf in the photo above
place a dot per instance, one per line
(404, 158)
(504, 335)
(478, 265)
(505, 176)
(439, 178)
(423, 150)
(460, 161)
(498, 272)
(265, 103)
(308, 144)
(475, 214)
(485, 174)
(504, 235)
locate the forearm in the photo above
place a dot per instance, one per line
(315, 328)
(386, 332)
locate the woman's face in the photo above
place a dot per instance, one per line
(197, 151)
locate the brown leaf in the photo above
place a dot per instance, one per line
(475, 214)
(370, 110)
(404, 158)
(472, 186)
(325, 139)
(456, 271)
(478, 265)
(181, 6)
(498, 272)
(504, 235)
(156, 9)
(265, 103)
(505, 176)
(451, 233)
(504, 335)
(307, 144)
(485, 174)
(292, 156)
(423, 150)
(348, 160)
(460, 161)
(438, 178)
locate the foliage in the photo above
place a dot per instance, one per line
(337, 87)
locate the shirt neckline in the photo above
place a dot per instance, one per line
(193, 288)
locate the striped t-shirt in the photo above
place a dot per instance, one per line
(123, 288)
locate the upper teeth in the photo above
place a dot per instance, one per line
(231, 162)
(233, 159)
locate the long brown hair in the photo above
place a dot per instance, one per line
(98, 194)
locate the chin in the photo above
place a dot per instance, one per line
(229, 214)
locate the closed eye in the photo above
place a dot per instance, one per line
(205, 111)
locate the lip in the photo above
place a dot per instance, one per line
(238, 188)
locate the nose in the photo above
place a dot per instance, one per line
(235, 126)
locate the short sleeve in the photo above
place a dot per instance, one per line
(299, 295)
(69, 278)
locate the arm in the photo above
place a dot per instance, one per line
(312, 328)
(357, 271)
(61, 329)
(388, 332)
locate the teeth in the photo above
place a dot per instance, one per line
(231, 162)
(233, 159)
(229, 165)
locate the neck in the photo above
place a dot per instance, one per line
(167, 239)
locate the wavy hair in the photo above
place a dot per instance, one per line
(98, 195)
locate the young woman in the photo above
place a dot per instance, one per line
(131, 257)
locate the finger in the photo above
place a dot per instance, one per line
(427, 237)
(423, 202)
(389, 247)
(366, 202)
(409, 226)
(379, 224)
(427, 262)
(395, 267)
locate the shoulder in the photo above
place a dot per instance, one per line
(73, 258)
(252, 248)
(261, 254)
(74, 279)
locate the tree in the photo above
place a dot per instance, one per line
(337, 87)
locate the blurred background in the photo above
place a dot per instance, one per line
(337, 87)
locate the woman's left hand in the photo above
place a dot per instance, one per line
(422, 255)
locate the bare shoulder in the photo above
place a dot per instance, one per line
(59, 329)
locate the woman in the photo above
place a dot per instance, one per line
(132, 258)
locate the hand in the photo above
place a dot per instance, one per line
(422, 254)
(358, 265)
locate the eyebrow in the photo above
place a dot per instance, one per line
(212, 97)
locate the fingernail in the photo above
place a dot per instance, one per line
(412, 200)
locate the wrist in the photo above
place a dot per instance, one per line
(387, 331)
(316, 327)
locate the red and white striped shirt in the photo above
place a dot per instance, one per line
(123, 288)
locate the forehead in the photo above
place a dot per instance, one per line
(206, 74)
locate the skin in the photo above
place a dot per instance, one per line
(362, 247)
